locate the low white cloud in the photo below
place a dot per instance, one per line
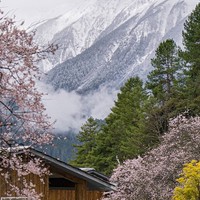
(71, 110)
(100, 102)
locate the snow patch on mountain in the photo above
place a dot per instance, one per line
(82, 26)
(113, 41)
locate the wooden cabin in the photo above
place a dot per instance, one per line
(65, 182)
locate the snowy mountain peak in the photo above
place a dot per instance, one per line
(103, 42)
(80, 27)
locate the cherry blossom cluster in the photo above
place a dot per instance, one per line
(22, 115)
(154, 175)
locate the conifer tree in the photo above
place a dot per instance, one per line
(163, 82)
(87, 142)
(191, 55)
(163, 78)
(191, 42)
(123, 134)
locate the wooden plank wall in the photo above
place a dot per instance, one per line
(70, 195)
(62, 194)
(94, 195)
(15, 180)
(44, 189)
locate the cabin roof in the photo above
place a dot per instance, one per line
(94, 179)
(93, 172)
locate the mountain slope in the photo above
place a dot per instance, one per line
(79, 28)
(125, 46)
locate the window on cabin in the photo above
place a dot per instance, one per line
(61, 183)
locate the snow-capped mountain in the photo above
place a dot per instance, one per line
(79, 28)
(103, 42)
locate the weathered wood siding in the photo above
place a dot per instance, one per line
(61, 194)
(15, 180)
(94, 195)
(81, 192)
(70, 195)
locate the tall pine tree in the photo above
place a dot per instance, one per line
(123, 136)
(166, 67)
(191, 55)
(87, 142)
(163, 83)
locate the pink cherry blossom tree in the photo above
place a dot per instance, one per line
(154, 175)
(22, 115)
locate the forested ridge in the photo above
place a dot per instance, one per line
(153, 128)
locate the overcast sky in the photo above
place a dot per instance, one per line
(33, 11)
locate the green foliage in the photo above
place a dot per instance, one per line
(191, 56)
(123, 135)
(163, 79)
(189, 182)
(191, 42)
(87, 142)
(163, 83)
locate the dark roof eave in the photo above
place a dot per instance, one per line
(75, 171)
